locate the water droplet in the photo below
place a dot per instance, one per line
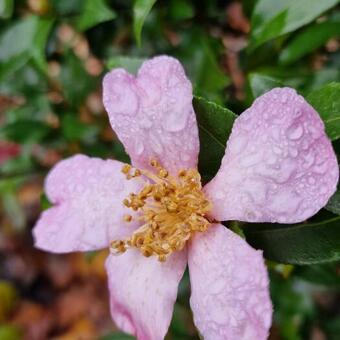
(219, 195)
(277, 150)
(271, 159)
(295, 132)
(237, 144)
(309, 160)
(293, 152)
(184, 156)
(321, 169)
(156, 146)
(175, 120)
(311, 180)
(250, 159)
(284, 98)
(315, 131)
(297, 112)
(139, 147)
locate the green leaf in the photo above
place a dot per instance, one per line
(77, 83)
(6, 8)
(32, 34)
(44, 202)
(305, 243)
(66, 7)
(260, 84)
(198, 53)
(326, 101)
(73, 129)
(180, 10)
(308, 40)
(131, 64)
(94, 12)
(39, 43)
(323, 274)
(117, 336)
(25, 131)
(272, 19)
(215, 123)
(333, 204)
(141, 9)
(22, 31)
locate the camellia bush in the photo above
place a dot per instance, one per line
(169, 169)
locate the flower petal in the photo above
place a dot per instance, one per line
(279, 165)
(152, 113)
(87, 194)
(229, 287)
(143, 292)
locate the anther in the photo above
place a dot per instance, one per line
(126, 168)
(127, 218)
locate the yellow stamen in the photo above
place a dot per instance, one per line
(171, 209)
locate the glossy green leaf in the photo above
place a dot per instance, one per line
(326, 274)
(333, 204)
(24, 131)
(131, 64)
(38, 54)
(141, 9)
(215, 123)
(260, 84)
(94, 12)
(22, 31)
(6, 8)
(75, 130)
(66, 7)
(32, 33)
(326, 101)
(308, 40)
(44, 202)
(181, 10)
(198, 54)
(305, 243)
(77, 83)
(272, 19)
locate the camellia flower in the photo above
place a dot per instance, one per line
(279, 166)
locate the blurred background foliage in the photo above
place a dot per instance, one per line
(53, 55)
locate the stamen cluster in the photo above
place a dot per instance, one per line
(171, 210)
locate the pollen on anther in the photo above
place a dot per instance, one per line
(127, 218)
(170, 208)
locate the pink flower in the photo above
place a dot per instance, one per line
(279, 166)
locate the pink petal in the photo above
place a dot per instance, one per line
(87, 194)
(143, 292)
(229, 287)
(152, 113)
(279, 165)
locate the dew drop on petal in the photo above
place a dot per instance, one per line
(175, 121)
(295, 132)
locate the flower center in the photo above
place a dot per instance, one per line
(171, 210)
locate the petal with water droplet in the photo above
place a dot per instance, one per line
(300, 161)
(229, 286)
(87, 210)
(158, 104)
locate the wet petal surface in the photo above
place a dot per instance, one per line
(152, 113)
(87, 195)
(229, 285)
(279, 165)
(143, 292)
